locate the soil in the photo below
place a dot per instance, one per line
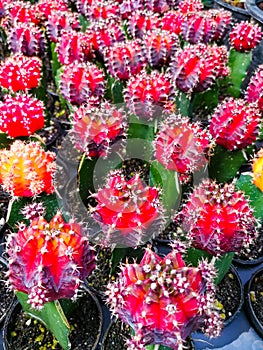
(256, 296)
(7, 296)
(229, 295)
(30, 334)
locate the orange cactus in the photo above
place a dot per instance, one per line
(26, 169)
(257, 168)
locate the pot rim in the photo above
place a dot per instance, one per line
(254, 10)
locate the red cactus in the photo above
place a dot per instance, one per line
(27, 39)
(245, 36)
(19, 72)
(33, 210)
(218, 219)
(140, 22)
(58, 21)
(159, 6)
(159, 46)
(81, 81)
(105, 10)
(21, 12)
(74, 46)
(26, 170)
(172, 21)
(96, 129)
(181, 145)
(147, 96)
(49, 260)
(186, 6)
(83, 6)
(235, 124)
(21, 115)
(44, 8)
(196, 67)
(164, 300)
(254, 93)
(129, 7)
(125, 59)
(128, 211)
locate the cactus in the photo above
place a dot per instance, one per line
(18, 72)
(58, 21)
(245, 36)
(125, 59)
(257, 168)
(235, 124)
(21, 12)
(21, 115)
(140, 22)
(128, 211)
(190, 6)
(182, 146)
(254, 92)
(48, 260)
(27, 39)
(74, 46)
(96, 129)
(218, 219)
(196, 67)
(164, 300)
(105, 10)
(26, 170)
(81, 81)
(148, 95)
(44, 8)
(33, 210)
(172, 21)
(159, 46)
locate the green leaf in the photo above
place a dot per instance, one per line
(224, 164)
(52, 316)
(114, 90)
(245, 184)
(238, 62)
(182, 101)
(55, 64)
(5, 141)
(168, 181)
(86, 169)
(205, 101)
(157, 347)
(84, 23)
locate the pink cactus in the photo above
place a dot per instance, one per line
(159, 46)
(182, 146)
(218, 219)
(235, 124)
(172, 21)
(26, 170)
(49, 260)
(245, 36)
(105, 10)
(74, 46)
(140, 22)
(81, 81)
(128, 211)
(125, 59)
(254, 93)
(59, 21)
(21, 12)
(96, 129)
(196, 67)
(26, 38)
(18, 72)
(44, 8)
(148, 96)
(164, 300)
(21, 115)
(187, 6)
(83, 6)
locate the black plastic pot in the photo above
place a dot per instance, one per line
(16, 309)
(253, 300)
(238, 13)
(254, 11)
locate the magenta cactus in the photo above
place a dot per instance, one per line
(196, 67)
(159, 46)
(147, 96)
(21, 12)
(218, 219)
(21, 115)
(182, 146)
(27, 39)
(187, 6)
(140, 22)
(49, 260)
(254, 93)
(245, 36)
(125, 59)
(235, 124)
(105, 10)
(128, 211)
(33, 210)
(164, 300)
(44, 8)
(96, 129)
(74, 46)
(172, 21)
(59, 21)
(81, 81)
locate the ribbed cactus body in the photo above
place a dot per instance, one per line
(105, 34)
(235, 124)
(44, 8)
(21, 115)
(140, 22)
(26, 169)
(164, 300)
(59, 21)
(245, 36)
(48, 260)
(172, 21)
(254, 93)
(218, 219)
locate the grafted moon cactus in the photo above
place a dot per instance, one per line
(26, 169)
(59, 21)
(245, 36)
(128, 211)
(164, 300)
(257, 167)
(254, 93)
(140, 22)
(235, 124)
(218, 219)
(49, 260)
